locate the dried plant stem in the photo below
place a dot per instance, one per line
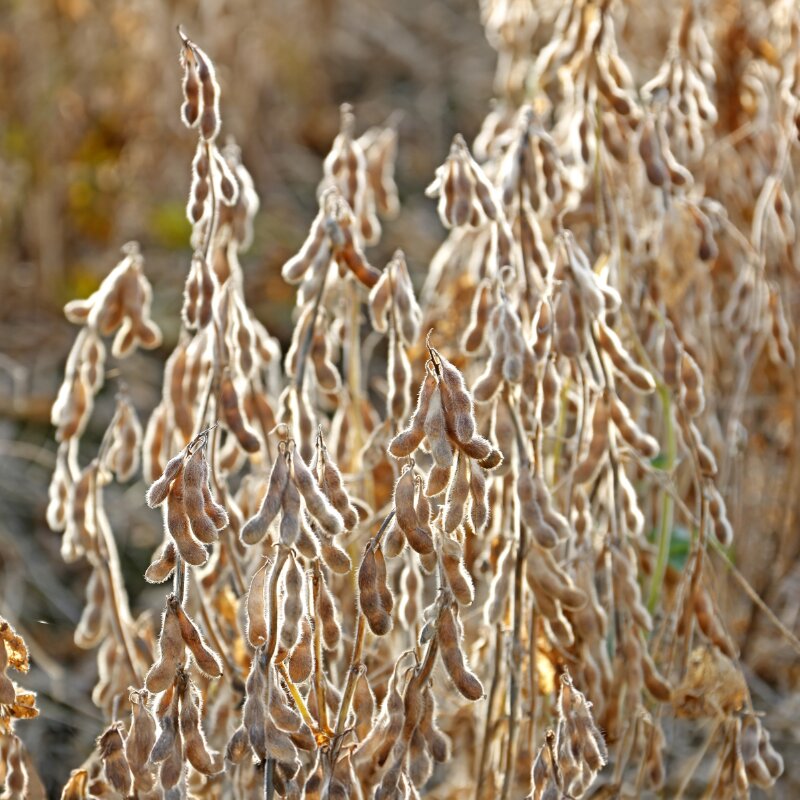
(108, 562)
(515, 652)
(697, 760)
(319, 677)
(667, 504)
(297, 697)
(487, 727)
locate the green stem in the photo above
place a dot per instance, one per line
(667, 505)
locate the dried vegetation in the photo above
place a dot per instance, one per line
(447, 571)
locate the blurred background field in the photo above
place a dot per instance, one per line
(93, 154)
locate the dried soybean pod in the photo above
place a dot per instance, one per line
(656, 684)
(405, 511)
(409, 439)
(194, 478)
(205, 658)
(369, 595)
(438, 742)
(457, 493)
(479, 503)
(158, 491)
(398, 371)
(301, 659)
(283, 715)
(438, 478)
(215, 512)
(91, 626)
(694, 399)
(190, 109)
(163, 566)
(292, 605)
(334, 557)
(452, 559)
(318, 506)
(256, 528)
(140, 740)
(234, 419)
(394, 540)
(595, 457)
(453, 657)
(456, 401)
(411, 594)
(334, 485)
(290, 515)
(638, 377)
(256, 607)
(171, 650)
(435, 428)
(254, 712)
(178, 525)
(531, 512)
(327, 615)
(112, 755)
(195, 746)
(551, 388)
(498, 591)
(475, 335)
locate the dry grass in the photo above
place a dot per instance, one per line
(507, 551)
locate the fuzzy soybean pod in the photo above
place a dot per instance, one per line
(451, 555)
(479, 497)
(531, 511)
(408, 440)
(416, 532)
(195, 474)
(112, 755)
(256, 528)
(329, 519)
(457, 494)
(158, 491)
(283, 715)
(501, 582)
(475, 335)
(638, 377)
(171, 649)
(436, 432)
(190, 109)
(453, 658)
(234, 419)
(490, 380)
(179, 527)
(335, 557)
(205, 658)
(589, 466)
(301, 659)
(328, 616)
(644, 444)
(438, 742)
(398, 372)
(692, 394)
(456, 401)
(254, 712)
(551, 388)
(256, 607)
(140, 740)
(195, 746)
(163, 565)
(292, 605)
(334, 487)
(371, 593)
(290, 515)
